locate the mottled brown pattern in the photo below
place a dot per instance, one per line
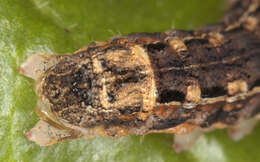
(211, 58)
(156, 82)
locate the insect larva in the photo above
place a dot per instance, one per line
(182, 82)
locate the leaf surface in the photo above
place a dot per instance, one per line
(63, 26)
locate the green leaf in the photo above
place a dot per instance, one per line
(63, 26)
